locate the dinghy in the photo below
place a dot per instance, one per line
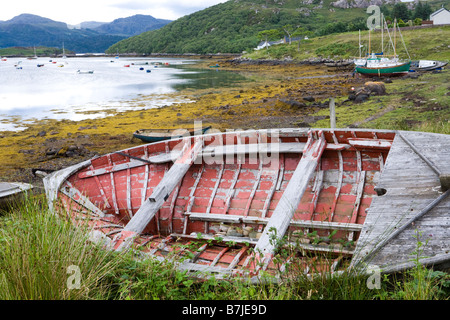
(226, 203)
(155, 135)
(11, 192)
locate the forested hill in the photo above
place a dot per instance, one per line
(235, 26)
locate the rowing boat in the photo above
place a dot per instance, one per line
(11, 192)
(155, 135)
(225, 203)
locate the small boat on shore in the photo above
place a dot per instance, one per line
(340, 65)
(155, 135)
(378, 66)
(10, 192)
(427, 65)
(225, 203)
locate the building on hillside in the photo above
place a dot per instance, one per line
(441, 16)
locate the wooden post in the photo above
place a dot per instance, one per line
(332, 114)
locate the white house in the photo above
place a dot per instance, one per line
(442, 16)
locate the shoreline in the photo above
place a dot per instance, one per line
(282, 95)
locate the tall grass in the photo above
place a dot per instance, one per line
(40, 255)
(44, 257)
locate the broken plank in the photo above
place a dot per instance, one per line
(162, 191)
(292, 195)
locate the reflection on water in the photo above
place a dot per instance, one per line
(57, 91)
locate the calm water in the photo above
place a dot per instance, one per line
(58, 91)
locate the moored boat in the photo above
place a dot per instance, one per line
(155, 135)
(85, 72)
(221, 203)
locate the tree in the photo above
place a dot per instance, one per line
(271, 34)
(289, 29)
(400, 11)
(427, 11)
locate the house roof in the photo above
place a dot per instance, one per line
(438, 11)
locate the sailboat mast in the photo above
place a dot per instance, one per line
(369, 43)
(360, 44)
(395, 40)
(382, 33)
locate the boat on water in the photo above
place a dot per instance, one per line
(427, 65)
(225, 203)
(155, 135)
(85, 72)
(11, 192)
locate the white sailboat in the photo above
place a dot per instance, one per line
(64, 52)
(381, 65)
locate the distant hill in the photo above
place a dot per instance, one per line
(233, 26)
(132, 25)
(27, 30)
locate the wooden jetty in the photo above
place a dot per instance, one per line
(223, 203)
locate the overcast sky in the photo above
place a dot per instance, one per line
(76, 11)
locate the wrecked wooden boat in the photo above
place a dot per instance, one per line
(155, 135)
(12, 192)
(225, 203)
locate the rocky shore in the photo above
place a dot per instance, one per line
(282, 94)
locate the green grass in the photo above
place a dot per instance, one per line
(29, 51)
(425, 43)
(38, 249)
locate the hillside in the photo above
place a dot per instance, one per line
(233, 26)
(27, 30)
(421, 43)
(131, 26)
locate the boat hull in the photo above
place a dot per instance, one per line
(222, 203)
(396, 70)
(12, 192)
(155, 135)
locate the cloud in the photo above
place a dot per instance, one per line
(74, 12)
(172, 9)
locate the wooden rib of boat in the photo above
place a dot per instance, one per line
(219, 203)
(10, 192)
(155, 135)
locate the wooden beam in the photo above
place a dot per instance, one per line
(162, 191)
(224, 150)
(227, 218)
(282, 216)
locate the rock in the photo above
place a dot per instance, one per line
(294, 103)
(309, 99)
(375, 87)
(361, 98)
(42, 133)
